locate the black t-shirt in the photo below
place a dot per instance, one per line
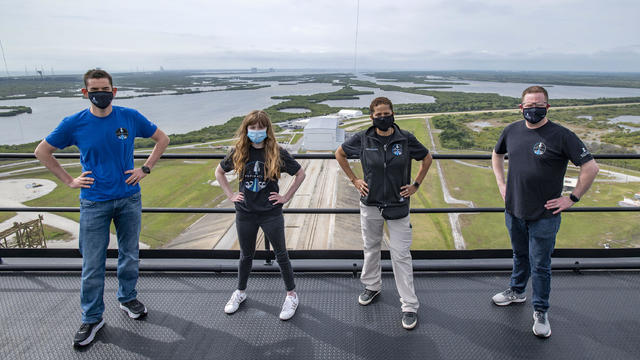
(255, 188)
(537, 163)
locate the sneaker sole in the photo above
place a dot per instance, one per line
(539, 335)
(288, 318)
(234, 311)
(92, 336)
(509, 302)
(132, 314)
(365, 303)
(411, 326)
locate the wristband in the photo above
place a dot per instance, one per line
(574, 198)
(416, 184)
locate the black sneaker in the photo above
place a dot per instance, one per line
(134, 308)
(409, 320)
(86, 333)
(367, 296)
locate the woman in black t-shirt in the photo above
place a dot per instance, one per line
(258, 160)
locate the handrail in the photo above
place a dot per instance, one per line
(297, 156)
(317, 254)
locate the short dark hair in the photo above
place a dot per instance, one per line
(535, 89)
(379, 101)
(97, 74)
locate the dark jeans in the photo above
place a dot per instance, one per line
(95, 220)
(532, 242)
(273, 227)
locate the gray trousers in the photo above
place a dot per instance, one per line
(372, 224)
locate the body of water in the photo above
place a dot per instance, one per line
(634, 119)
(515, 89)
(183, 113)
(396, 97)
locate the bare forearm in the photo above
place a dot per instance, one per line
(341, 157)
(497, 163)
(424, 168)
(587, 175)
(46, 158)
(161, 145)
(224, 183)
(300, 175)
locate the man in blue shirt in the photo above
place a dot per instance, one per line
(109, 190)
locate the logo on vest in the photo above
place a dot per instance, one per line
(396, 150)
(122, 133)
(539, 148)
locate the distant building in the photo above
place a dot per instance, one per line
(629, 202)
(348, 113)
(322, 133)
(569, 184)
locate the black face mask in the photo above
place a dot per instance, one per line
(101, 99)
(383, 122)
(534, 114)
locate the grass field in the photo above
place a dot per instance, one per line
(584, 230)
(173, 183)
(6, 216)
(185, 183)
(430, 231)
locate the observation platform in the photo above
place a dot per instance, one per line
(595, 314)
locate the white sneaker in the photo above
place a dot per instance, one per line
(541, 326)
(234, 303)
(289, 307)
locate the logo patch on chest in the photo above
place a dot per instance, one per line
(396, 150)
(539, 148)
(122, 133)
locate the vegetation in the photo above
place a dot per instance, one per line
(14, 110)
(606, 137)
(630, 80)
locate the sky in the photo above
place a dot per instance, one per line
(117, 35)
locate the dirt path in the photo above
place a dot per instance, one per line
(454, 218)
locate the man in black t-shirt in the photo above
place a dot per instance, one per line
(539, 151)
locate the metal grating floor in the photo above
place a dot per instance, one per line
(593, 315)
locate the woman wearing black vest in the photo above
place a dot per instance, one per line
(385, 153)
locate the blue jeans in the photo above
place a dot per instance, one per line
(95, 221)
(532, 242)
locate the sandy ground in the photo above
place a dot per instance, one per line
(13, 193)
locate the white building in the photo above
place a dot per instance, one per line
(322, 133)
(348, 113)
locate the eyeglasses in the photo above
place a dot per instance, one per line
(531, 105)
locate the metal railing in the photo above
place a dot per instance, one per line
(318, 254)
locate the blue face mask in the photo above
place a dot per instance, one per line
(534, 114)
(101, 99)
(257, 136)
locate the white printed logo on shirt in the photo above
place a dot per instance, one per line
(254, 176)
(539, 148)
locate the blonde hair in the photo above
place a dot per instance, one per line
(271, 148)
